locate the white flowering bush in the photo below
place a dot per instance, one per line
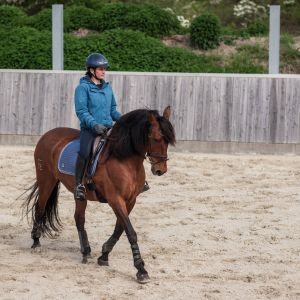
(215, 2)
(184, 22)
(247, 10)
(289, 2)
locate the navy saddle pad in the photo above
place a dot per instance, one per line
(68, 157)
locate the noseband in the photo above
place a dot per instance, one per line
(158, 156)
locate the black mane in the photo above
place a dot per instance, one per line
(129, 135)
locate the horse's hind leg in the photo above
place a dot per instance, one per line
(46, 189)
(109, 244)
(83, 238)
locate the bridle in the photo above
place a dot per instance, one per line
(153, 155)
(160, 157)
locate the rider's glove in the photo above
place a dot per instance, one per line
(100, 129)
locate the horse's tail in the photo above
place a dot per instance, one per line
(47, 220)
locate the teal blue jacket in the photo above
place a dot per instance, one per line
(94, 104)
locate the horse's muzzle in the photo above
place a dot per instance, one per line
(158, 172)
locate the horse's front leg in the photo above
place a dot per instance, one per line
(110, 243)
(122, 215)
(83, 238)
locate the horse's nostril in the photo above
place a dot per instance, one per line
(159, 173)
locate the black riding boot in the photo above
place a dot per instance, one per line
(80, 192)
(146, 187)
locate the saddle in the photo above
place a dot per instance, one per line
(68, 157)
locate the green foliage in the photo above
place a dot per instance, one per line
(25, 48)
(205, 32)
(289, 55)
(242, 63)
(134, 51)
(230, 34)
(146, 18)
(43, 19)
(254, 52)
(33, 6)
(249, 59)
(257, 28)
(76, 17)
(11, 16)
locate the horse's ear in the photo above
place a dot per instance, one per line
(153, 121)
(167, 112)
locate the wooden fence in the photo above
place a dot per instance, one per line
(206, 107)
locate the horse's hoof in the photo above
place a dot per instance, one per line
(102, 262)
(84, 260)
(36, 245)
(142, 277)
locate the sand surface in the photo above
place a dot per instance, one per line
(213, 227)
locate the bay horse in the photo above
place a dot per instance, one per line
(119, 177)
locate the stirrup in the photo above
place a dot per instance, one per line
(80, 192)
(146, 187)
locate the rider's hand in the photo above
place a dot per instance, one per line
(100, 129)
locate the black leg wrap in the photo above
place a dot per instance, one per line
(106, 249)
(138, 262)
(36, 232)
(35, 235)
(108, 246)
(84, 242)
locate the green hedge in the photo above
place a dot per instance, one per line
(127, 50)
(149, 19)
(43, 20)
(12, 16)
(134, 51)
(76, 17)
(25, 48)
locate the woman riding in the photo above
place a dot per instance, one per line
(95, 107)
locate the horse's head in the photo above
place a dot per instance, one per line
(160, 135)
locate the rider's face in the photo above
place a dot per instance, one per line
(100, 72)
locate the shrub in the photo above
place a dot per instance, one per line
(12, 16)
(76, 17)
(43, 20)
(205, 32)
(25, 48)
(257, 28)
(149, 19)
(34, 6)
(129, 50)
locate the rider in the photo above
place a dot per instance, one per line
(95, 107)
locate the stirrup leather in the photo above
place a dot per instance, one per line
(80, 192)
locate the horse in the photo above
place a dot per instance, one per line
(119, 178)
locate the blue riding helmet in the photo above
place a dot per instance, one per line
(96, 60)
